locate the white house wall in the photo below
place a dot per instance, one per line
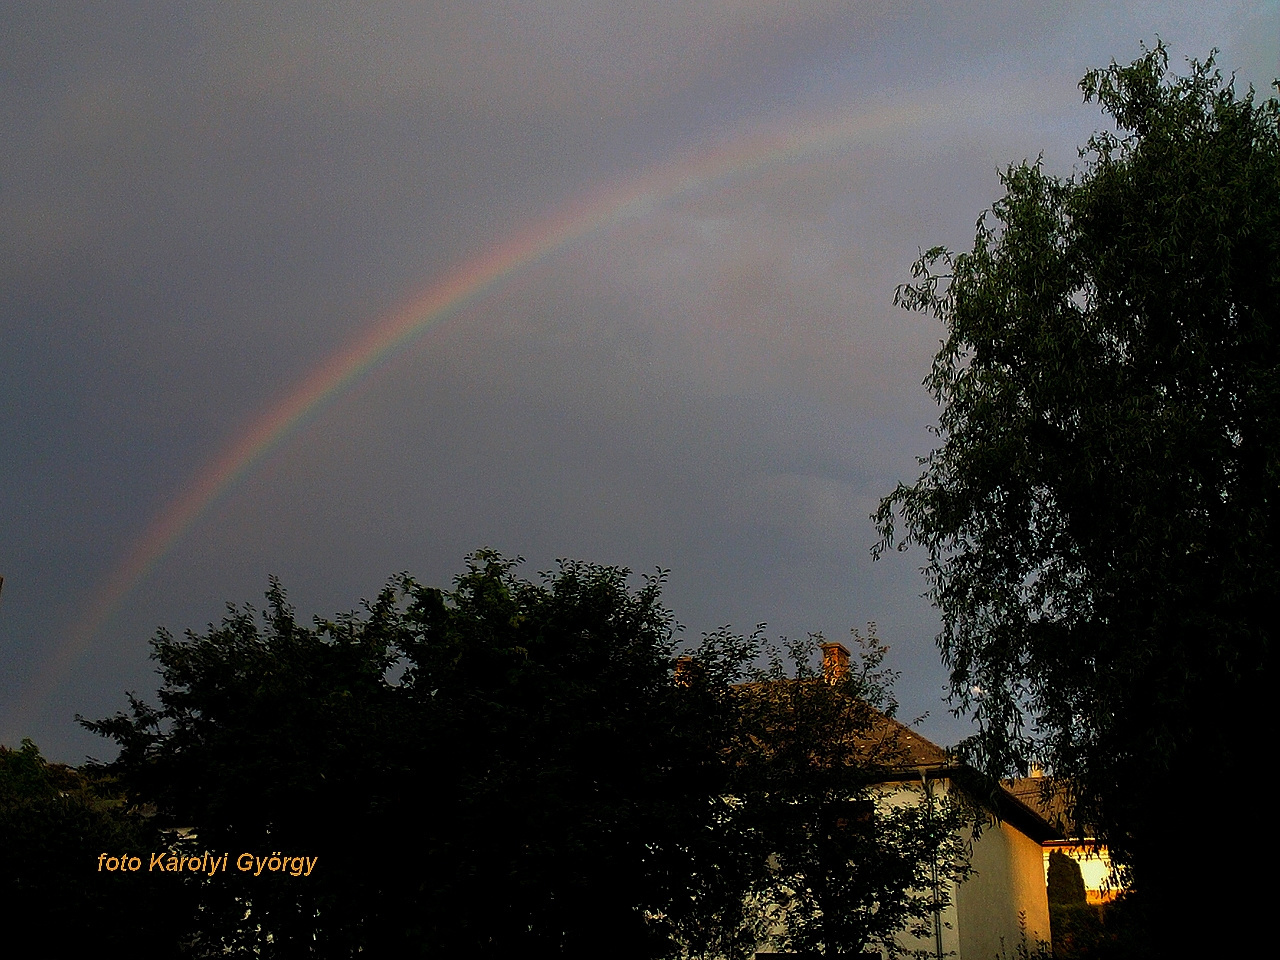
(901, 795)
(982, 920)
(1008, 879)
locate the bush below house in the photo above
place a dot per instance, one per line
(1107, 931)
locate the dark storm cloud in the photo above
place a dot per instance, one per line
(202, 202)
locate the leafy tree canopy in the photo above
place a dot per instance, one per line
(1100, 515)
(1066, 882)
(486, 769)
(514, 767)
(56, 822)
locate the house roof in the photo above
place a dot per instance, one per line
(915, 758)
(1051, 799)
(925, 759)
(918, 750)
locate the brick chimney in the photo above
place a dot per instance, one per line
(835, 661)
(684, 671)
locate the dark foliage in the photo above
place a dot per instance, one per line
(1066, 883)
(1100, 517)
(515, 789)
(1106, 931)
(55, 822)
(513, 768)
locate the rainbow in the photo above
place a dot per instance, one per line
(473, 280)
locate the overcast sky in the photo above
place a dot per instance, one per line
(202, 205)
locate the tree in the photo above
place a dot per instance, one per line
(1100, 515)
(852, 863)
(496, 769)
(63, 833)
(1065, 881)
(512, 767)
(546, 727)
(271, 736)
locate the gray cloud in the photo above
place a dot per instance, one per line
(202, 203)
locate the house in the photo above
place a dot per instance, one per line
(1004, 900)
(1050, 800)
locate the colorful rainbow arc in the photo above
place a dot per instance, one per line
(470, 282)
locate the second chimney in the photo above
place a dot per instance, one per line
(835, 661)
